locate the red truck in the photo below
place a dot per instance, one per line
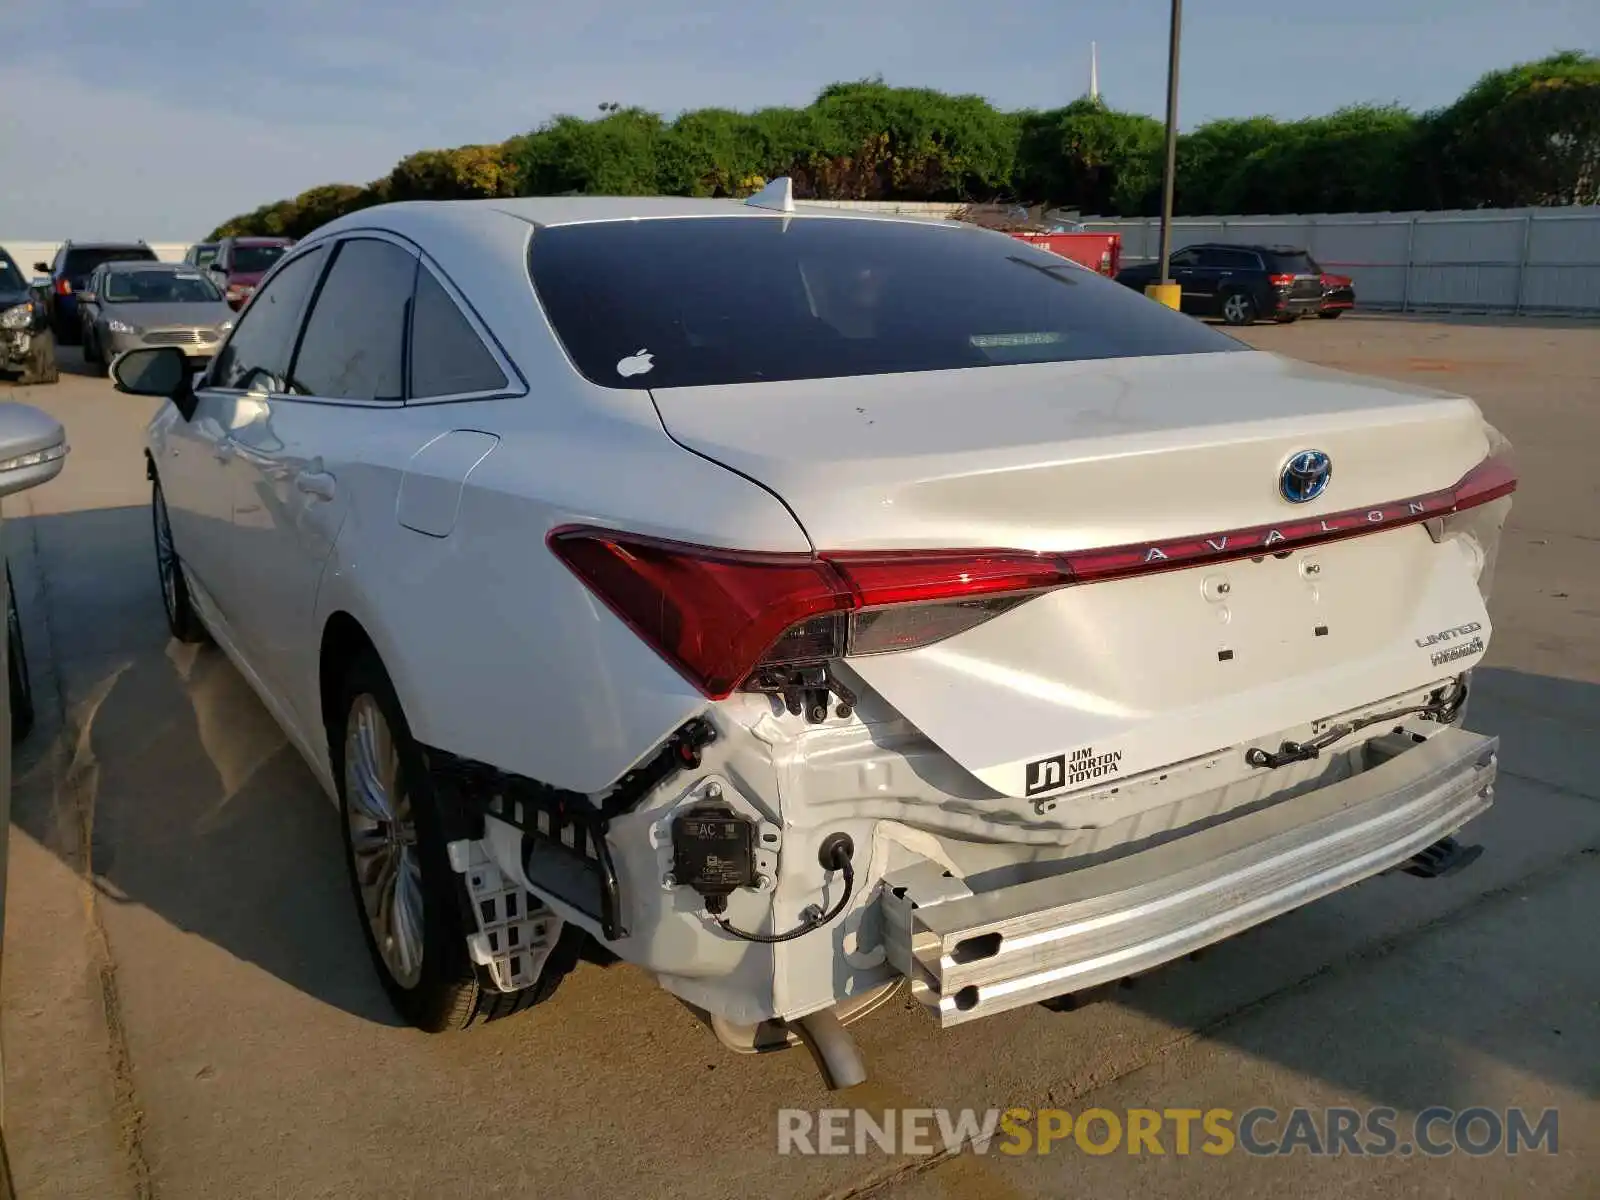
(1100, 252)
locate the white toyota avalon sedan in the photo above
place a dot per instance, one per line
(798, 603)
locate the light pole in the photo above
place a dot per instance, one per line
(1166, 291)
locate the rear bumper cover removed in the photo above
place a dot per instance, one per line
(971, 955)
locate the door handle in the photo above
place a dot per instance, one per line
(315, 483)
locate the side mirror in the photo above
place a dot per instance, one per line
(214, 265)
(158, 371)
(42, 268)
(33, 448)
(85, 297)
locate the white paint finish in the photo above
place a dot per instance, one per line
(430, 488)
(1132, 667)
(1063, 456)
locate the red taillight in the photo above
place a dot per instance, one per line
(63, 288)
(1280, 280)
(719, 615)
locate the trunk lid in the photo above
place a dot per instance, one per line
(1133, 674)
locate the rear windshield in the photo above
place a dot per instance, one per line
(158, 287)
(254, 260)
(692, 301)
(81, 262)
(1296, 263)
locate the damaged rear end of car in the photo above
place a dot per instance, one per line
(1114, 638)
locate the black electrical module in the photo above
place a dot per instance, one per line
(713, 852)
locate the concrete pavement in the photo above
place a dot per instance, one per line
(188, 1011)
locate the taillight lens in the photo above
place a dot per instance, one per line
(63, 287)
(1280, 280)
(720, 615)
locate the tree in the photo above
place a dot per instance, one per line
(1527, 135)
(1092, 158)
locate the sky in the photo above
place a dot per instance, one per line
(162, 118)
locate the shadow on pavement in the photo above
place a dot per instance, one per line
(200, 809)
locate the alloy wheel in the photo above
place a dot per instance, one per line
(383, 841)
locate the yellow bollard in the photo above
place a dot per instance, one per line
(1170, 294)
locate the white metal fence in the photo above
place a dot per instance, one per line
(25, 254)
(1539, 260)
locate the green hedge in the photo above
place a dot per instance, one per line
(1529, 135)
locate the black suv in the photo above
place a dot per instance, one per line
(1240, 284)
(74, 263)
(26, 344)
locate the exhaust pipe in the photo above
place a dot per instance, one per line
(834, 1049)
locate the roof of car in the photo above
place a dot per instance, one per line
(144, 265)
(574, 210)
(255, 240)
(1258, 247)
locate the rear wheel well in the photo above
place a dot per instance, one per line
(343, 641)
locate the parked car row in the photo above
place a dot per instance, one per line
(113, 296)
(1242, 284)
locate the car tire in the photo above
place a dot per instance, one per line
(64, 335)
(40, 365)
(22, 712)
(1331, 313)
(182, 619)
(93, 356)
(1238, 308)
(413, 907)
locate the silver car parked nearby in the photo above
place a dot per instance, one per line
(132, 304)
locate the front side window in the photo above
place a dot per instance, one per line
(354, 343)
(447, 356)
(713, 300)
(257, 355)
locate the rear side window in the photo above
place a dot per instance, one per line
(694, 301)
(257, 355)
(80, 262)
(447, 356)
(354, 343)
